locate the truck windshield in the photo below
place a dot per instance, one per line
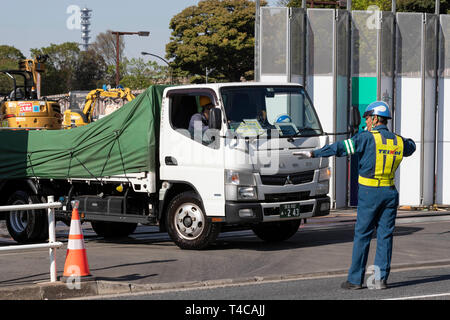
(259, 110)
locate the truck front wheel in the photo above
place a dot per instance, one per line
(276, 231)
(26, 226)
(187, 224)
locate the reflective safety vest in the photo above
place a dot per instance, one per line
(388, 155)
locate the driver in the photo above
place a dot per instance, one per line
(200, 119)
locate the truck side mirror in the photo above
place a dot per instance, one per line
(215, 119)
(355, 119)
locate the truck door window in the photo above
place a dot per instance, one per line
(183, 109)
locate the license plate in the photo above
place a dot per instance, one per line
(290, 210)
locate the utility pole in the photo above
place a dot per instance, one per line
(118, 34)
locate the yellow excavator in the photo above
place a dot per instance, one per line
(77, 117)
(23, 108)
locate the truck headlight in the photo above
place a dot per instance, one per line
(324, 174)
(247, 193)
(322, 187)
(240, 186)
(239, 178)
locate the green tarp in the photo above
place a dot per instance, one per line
(123, 142)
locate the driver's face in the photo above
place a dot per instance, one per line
(206, 110)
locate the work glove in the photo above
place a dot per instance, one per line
(303, 154)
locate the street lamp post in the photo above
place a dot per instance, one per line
(121, 33)
(156, 56)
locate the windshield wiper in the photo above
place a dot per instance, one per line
(302, 131)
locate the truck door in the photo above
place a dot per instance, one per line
(192, 156)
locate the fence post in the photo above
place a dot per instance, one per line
(52, 239)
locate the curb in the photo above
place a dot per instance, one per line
(98, 288)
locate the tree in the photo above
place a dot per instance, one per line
(384, 5)
(422, 6)
(9, 60)
(215, 34)
(60, 66)
(140, 74)
(105, 45)
(89, 71)
(10, 53)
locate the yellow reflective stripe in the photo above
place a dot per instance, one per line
(370, 182)
(399, 158)
(379, 159)
(387, 171)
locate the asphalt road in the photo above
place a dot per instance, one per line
(321, 247)
(412, 284)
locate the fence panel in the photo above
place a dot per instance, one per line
(443, 136)
(52, 244)
(274, 44)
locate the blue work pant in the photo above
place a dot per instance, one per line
(377, 208)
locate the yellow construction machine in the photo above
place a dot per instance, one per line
(75, 117)
(22, 108)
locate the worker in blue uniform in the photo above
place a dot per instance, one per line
(380, 153)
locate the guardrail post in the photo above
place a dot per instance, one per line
(52, 239)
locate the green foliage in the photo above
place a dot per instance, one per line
(139, 74)
(384, 5)
(9, 59)
(60, 66)
(422, 6)
(69, 68)
(215, 34)
(89, 71)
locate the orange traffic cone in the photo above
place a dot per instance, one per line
(76, 260)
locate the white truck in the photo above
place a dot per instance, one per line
(240, 173)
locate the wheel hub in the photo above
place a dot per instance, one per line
(189, 221)
(18, 219)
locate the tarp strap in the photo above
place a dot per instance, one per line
(31, 164)
(109, 153)
(121, 158)
(117, 134)
(70, 163)
(93, 176)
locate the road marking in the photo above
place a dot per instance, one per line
(421, 297)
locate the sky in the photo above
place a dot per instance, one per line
(29, 24)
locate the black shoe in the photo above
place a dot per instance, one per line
(350, 286)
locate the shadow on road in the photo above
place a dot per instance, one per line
(429, 279)
(302, 239)
(44, 276)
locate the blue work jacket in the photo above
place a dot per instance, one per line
(363, 145)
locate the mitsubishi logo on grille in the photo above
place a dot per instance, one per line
(288, 180)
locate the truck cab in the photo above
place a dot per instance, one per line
(240, 170)
(193, 171)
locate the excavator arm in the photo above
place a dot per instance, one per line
(91, 100)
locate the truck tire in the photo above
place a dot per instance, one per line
(108, 229)
(277, 231)
(26, 226)
(187, 223)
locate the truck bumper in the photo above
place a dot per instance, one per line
(255, 212)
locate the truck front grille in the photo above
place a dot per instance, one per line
(286, 197)
(293, 178)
